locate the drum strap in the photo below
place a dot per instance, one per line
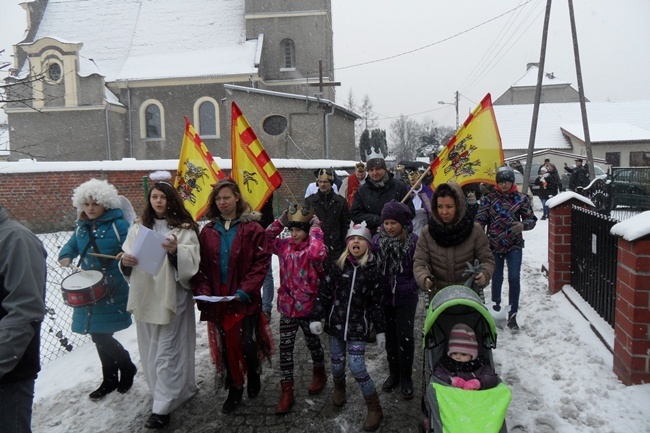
(92, 243)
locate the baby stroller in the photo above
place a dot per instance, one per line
(448, 409)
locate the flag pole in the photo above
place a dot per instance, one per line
(419, 180)
(290, 192)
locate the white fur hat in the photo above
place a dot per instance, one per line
(101, 191)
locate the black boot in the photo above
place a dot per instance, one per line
(233, 401)
(157, 422)
(254, 384)
(512, 322)
(407, 387)
(392, 380)
(127, 373)
(109, 384)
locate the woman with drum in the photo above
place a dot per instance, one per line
(234, 261)
(162, 304)
(100, 308)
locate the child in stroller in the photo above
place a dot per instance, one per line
(455, 408)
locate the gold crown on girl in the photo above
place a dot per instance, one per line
(299, 214)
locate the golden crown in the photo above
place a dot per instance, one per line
(298, 213)
(324, 174)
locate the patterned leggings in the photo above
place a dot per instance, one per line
(288, 330)
(357, 361)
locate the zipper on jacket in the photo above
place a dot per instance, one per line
(347, 316)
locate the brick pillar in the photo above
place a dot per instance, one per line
(632, 320)
(559, 245)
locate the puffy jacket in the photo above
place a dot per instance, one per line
(498, 211)
(109, 314)
(248, 264)
(350, 299)
(371, 197)
(301, 267)
(332, 210)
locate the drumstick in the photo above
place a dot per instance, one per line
(102, 255)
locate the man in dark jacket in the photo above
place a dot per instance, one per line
(579, 175)
(380, 188)
(332, 210)
(22, 300)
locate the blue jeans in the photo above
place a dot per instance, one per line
(513, 259)
(267, 291)
(16, 406)
(544, 200)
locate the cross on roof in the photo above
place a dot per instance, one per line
(320, 83)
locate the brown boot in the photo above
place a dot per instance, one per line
(318, 380)
(286, 399)
(375, 414)
(338, 397)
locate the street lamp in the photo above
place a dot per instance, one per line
(454, 104)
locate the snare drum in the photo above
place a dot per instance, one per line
(83, 288)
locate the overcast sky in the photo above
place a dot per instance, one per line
(471, 46)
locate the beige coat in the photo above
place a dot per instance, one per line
(152, 299)
(447, 264)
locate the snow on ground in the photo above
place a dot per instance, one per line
(559, 371)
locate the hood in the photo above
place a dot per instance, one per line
(459, 197)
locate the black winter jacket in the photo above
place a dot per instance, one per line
(356, 287)
(333, 211)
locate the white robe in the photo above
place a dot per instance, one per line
(163, 309)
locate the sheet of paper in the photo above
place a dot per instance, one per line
(148, 249)
(214, 298)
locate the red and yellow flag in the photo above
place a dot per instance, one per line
(474, 153)
(252, 169)
(197, 173)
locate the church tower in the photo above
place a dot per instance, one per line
(296, 36)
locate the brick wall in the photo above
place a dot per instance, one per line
(41, 201)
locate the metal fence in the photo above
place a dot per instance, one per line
(594, 260)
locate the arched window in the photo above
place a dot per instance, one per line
(206, 117)
(289, 53)
(152, 120)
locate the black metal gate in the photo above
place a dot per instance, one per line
(593, 260)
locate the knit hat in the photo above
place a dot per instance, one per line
(505, 174)
(358, 230)
(394, 210)
(543, 170)
(462, 340)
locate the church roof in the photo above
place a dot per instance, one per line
(529, 79)
(140, 40)
(608, 122)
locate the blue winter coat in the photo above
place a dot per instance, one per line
(109, 314)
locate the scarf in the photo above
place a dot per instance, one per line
(450, 235)
(462, 367)
(381, 183)
(391, 253)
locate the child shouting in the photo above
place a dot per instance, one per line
(301, 264)
(350, 298)
(462, 367)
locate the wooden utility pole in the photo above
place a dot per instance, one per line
(581, 92)
(538, 97)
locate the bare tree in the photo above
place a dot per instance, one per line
(369, 117)
(406, 137)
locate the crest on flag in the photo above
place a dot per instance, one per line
(197, 173)
(474, 152)
(252, 168)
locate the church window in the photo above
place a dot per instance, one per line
(274, 125)
(152, 120)
(206, 117)
(54, 72)
(289, 53)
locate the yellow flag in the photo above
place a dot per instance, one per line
(474, 152)
(252, 169)
(197, 173)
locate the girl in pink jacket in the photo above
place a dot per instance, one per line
(301, 265)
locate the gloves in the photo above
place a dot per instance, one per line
(65, 262)
(316, 328)
(472, 384)
(284, 219)
(517, 227)
(458, 382)
(381, 342)
(314, 221)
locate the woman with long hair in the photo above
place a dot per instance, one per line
(162, 304)
(235, 258)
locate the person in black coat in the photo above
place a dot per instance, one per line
(579, 175)
(547, 188)
(332, 210)
(380, 188)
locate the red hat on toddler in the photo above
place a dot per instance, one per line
(462, 340)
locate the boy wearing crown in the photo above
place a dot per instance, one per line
(301, 259)
(333, 212)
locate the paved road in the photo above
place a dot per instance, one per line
(311, 414)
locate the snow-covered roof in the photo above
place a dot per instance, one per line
(529, 79)
(137, 40)
(608, 121)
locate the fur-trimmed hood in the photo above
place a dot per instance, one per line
(101, 191)
(247, 217)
